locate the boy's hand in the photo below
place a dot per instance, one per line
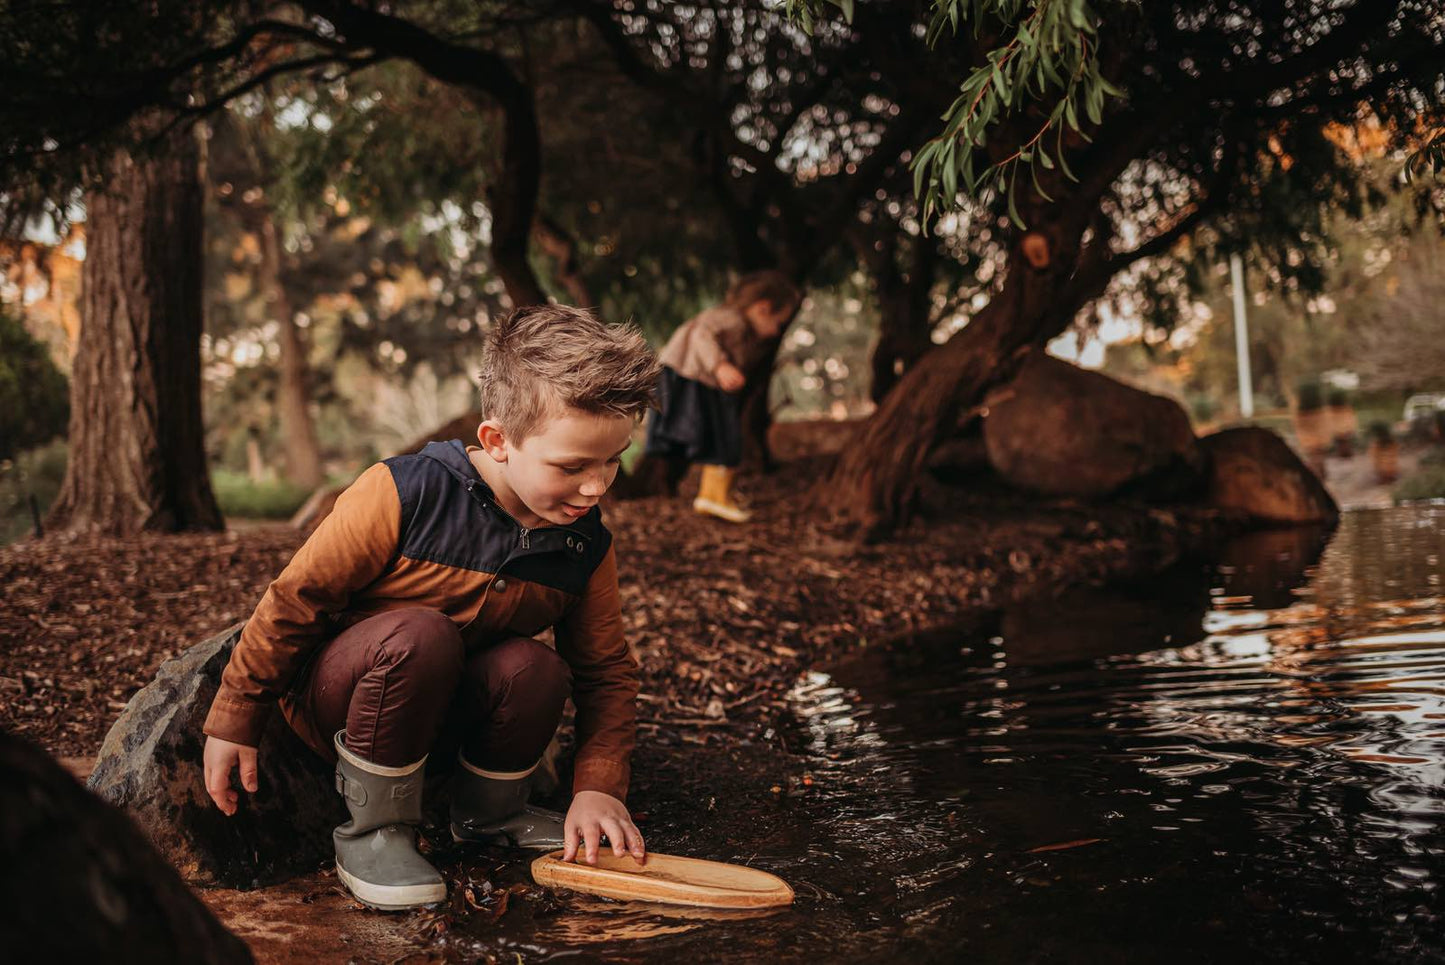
(729, 377)
(220, 757)
(593, 814)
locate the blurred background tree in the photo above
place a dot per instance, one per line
(381, 182)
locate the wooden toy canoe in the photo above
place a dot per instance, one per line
(665, 878)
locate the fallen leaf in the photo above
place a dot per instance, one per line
(1064, 846)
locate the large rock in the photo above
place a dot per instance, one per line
(82, 884)
(1254, 471)
(150, 765)
(1062, 430)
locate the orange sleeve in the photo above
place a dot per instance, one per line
(349, 550)
(605, 682)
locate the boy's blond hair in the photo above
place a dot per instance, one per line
(543, 359)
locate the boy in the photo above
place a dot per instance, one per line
(404, 625)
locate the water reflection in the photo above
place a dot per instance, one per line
(1251, 749)
(1238, 760)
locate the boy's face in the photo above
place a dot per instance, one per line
(560, 471)
(767, 319)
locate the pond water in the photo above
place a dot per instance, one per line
(1244, 758)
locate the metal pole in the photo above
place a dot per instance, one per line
(1241, 339)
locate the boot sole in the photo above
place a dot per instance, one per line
(709, 508)
(502, 839)
(459, 837)
(392, 897)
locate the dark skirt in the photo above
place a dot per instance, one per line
(696, 422)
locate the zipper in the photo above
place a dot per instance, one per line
(524, 533)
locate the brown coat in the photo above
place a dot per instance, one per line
(424, 531)
(715, 335)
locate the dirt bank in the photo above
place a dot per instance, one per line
(721, 616)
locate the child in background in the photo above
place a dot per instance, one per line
(700, 418)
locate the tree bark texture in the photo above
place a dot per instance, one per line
(559, 245)
(904, 314)
(293, 394)
(874, 483)
(83, 884)
(756, 412)
(137, 452)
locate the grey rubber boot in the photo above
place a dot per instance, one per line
(376, 854)
(491, 806)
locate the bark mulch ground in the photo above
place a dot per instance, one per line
(722, 617)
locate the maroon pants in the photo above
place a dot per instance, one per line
(402, 684)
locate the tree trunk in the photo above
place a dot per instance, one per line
(84, 884)
(293, 396)
(137, 451)
(757, 415)
(904, 313)
(874, 483)
(255, 464)
(512, 200)
(562, 249)
(489, 80)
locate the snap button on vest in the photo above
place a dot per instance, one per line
(500, 586)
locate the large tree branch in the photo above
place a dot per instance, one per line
(1421, 55)
(1360, 23)
(843, 208)
(513, 200)
(634, 67)
(192, 111)
(451, 63)
(162, 76)
(1098, 266)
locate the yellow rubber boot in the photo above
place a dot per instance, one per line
(714, 495)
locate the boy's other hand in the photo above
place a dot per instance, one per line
(593, 814)
(220, 756)
(729, 377)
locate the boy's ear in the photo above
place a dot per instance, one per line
(493, 440)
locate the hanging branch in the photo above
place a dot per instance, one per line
(1052, 57)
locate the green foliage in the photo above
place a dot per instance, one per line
(82, 79)
(34, 395)
(1042, 72)
(1050, 59)
(242, 498)
(32, 479)
(1428, 159)
(823, 366)
(1251, 98)
(382, 285)
(387, 140)
(1426, 482)
(1376, 313)
(1202, 408)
